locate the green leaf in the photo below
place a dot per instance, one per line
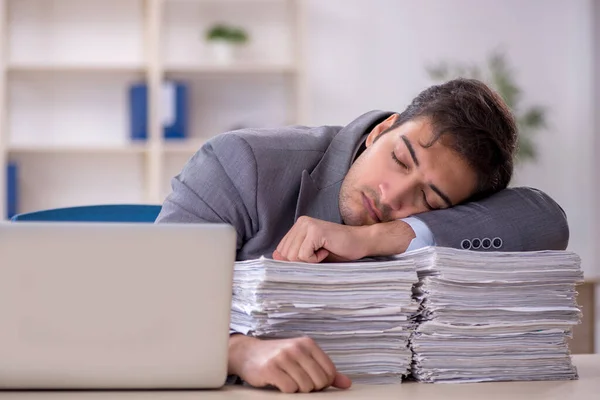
(525, 149)
(460, 72)
(475, 73)
(228, 33)
(438, 72)
(502, 80)
(534, 118)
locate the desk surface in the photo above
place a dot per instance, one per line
(587, 387)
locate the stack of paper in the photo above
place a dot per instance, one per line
(360, 313)
(490, 316)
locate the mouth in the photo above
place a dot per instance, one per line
(369, 206)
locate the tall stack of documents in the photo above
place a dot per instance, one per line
(362, 314)
(491, 316)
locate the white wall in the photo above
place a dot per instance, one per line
(596, 107)
(549, 44)
(596, 200)
(596, 69)
(547, 41)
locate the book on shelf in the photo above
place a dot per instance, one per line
(173, 107)
(11, 190)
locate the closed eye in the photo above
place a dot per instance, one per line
(397, 161)
(429, 207)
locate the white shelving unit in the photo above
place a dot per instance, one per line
(66, 67)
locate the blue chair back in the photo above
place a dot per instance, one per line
(125, 213)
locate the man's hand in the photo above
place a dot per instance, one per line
(291, 365)
(312, 240)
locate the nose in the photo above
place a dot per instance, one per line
(398, 195)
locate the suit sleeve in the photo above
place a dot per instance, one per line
(217, 185)
(515, 219)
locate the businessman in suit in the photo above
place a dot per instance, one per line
(435, 174)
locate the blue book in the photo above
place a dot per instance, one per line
(11, 190)
(138, 112)
(174, 107)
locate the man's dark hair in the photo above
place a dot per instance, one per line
(474, 121)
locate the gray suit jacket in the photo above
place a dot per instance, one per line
(261, 180)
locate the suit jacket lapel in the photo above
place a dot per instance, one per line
(318, 203)
(319, 190)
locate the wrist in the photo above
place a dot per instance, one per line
(388, 238)
(238, 345)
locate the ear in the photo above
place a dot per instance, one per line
(380, 128)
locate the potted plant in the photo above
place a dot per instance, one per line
(223, 40)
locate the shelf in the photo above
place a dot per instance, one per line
(225, 1)
(68, 69)
(74, 68)
(239, 69)
(183, 147)
(133, 148)
(208, 69)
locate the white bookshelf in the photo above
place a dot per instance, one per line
(66, 67)
(186, 147)
(33, 149)
(72, 68)
(248, 69)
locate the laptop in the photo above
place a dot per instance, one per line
(115, 306)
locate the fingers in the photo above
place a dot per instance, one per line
(291, 365)
(301, 243)
(334, 378)
(308, 253)
(316, 363)
(320, 255)
(277, 256)
(289, 246)
(335, 258)
(295, 247)
(318, 376)
(324, 362)
(298, 362)
(341, 381)
(282, 381)
(310, 256)
(296, 243)
(299, 375)
(282, 247)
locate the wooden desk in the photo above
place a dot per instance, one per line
(587, 387)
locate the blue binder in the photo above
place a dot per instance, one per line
(11, 190)
(138, 112)
(174, 110)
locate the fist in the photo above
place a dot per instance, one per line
(313, 240)
(291, 365)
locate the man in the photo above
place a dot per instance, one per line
(436, 174)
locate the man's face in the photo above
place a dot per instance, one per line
(396, 177)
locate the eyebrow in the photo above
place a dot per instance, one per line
(441, 194)
(413, 155)
(411, 150)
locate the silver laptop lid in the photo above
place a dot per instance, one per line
(115, 305)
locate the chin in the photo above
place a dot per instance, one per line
(357, 220)
(351, 219)
(353, 214)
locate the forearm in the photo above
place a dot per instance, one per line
(387, 238)
(522, 219)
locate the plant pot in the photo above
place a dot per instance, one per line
(222, 52)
